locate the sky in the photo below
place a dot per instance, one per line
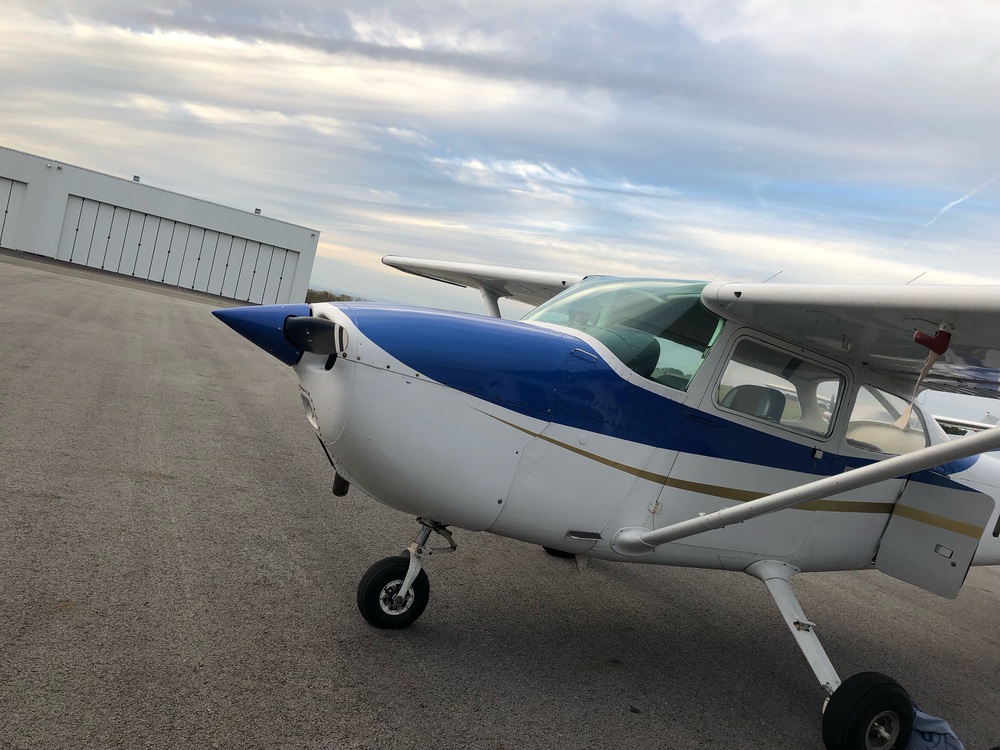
(841, 142)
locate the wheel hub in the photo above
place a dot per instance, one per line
(882, 732)
(388, 594)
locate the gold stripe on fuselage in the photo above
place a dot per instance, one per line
(744, 496)
(941, 522)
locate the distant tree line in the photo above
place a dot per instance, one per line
(321, 295)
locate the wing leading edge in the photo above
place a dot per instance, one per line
(873, 326)
(493, 282)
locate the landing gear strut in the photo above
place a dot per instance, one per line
(867, 711)
(394, 592)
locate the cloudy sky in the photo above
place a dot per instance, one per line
(724, 139)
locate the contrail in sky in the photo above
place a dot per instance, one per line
(951, 205)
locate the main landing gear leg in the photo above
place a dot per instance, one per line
(775, 576)
(868, 711)
(394, 592)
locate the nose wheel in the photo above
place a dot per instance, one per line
(394, 592)
(379, 594)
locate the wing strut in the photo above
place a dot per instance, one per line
(638, 540)
(491, 300)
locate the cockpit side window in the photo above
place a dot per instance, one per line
(774, 386)
(658, 329)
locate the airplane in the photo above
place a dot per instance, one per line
(764, 428)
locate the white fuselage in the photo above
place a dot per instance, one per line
(518, 450)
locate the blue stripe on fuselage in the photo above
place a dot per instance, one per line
(559, 378)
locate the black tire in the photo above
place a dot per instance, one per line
(380, 583)
(557, 552)
(869, 711)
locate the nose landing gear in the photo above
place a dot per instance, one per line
(394, 592)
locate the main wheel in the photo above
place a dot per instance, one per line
(869, 711)
(378, 588)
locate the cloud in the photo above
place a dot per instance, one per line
(717, 139)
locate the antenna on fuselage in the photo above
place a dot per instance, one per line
(773, 276)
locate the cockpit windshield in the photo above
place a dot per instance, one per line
(659, 329)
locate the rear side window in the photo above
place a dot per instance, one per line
(774, 386)
(882, 422)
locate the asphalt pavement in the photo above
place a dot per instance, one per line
(175, 573)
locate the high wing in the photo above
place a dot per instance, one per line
(493, 282)
(873, 327)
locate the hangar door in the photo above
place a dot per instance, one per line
(11, 200)
(146, 246)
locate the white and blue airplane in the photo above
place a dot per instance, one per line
(763, 428)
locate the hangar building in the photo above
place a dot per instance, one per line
(84, 217)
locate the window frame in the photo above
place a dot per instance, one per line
(836, 369)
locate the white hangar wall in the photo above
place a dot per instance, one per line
(84, 217)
